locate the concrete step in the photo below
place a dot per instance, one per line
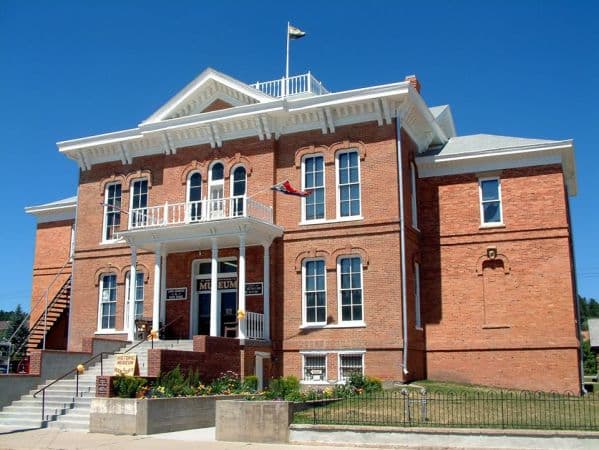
(23, 423)
(71, 425)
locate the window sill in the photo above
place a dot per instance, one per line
(317, 383)
(328, 221)
(113, 241)
(111, 331)
(484, 226)
(334, 325)
(496, 327)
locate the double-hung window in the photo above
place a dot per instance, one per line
(139, 203)
(348, 184)
(107, 302)
(350, 364)
(112, 211)
(417, 312)
(349, 272)
(315, 368)
(194, 196)
(313, 180)
(315, 294)
(238, 190)
(139, 295)
(490, 201)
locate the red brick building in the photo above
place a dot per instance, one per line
(418, 253)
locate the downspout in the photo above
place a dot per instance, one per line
(402, 234)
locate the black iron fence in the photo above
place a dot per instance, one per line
(413, 408)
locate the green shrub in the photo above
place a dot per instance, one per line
(175, 384)
(590, 360)
(127, 386)
(285, 388)
(227, 383)
(361, 383)
(250, 384)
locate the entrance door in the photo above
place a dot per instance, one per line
(204, 313)
(228, 313)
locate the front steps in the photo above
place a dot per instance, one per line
(66, 411)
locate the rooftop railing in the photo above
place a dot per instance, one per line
(297, 85)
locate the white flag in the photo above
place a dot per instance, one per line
(295, 33)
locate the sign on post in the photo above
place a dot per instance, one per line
(126, 365)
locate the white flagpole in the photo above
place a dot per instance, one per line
(287, 63)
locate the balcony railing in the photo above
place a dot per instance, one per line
(254, 325)
(199, 211)
(286, 87)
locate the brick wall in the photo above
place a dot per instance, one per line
(508, 321)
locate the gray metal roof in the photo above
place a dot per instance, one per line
(483, 142)
(594, 332)
(70, 201)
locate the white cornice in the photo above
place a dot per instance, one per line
(53, 212)
(558, 152)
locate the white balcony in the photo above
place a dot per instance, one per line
(305, 85)
(199, 211)
(178, 227)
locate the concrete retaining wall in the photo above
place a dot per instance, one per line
(149, 416)
(446, 438)
(253, 421)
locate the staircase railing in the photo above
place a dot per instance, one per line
(44, 296)
(82, 366)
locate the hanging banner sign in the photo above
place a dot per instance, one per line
(223, 283)
(254, 288)
(176, 293)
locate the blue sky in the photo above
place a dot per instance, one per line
(75, 68)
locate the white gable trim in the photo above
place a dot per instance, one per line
(192, 88)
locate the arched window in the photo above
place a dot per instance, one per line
(139, 295)
(238, 191)
(216, 187)
(194, 196)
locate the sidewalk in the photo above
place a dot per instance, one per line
(181, 440)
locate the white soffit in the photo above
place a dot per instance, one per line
(64, 209)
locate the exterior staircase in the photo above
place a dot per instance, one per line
(57, 307)
(64, 410)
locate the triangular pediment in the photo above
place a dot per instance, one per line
(210, 91)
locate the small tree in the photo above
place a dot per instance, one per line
(18, 332)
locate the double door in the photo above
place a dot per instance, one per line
(226, 310)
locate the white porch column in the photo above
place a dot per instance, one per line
(241, 286)
(214, 290)
(132, 283)
(157, 278)
(163, 288)
(266, 292)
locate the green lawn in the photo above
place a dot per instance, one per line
(458, 405)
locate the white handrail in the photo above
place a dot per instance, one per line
(199, 211)
(296, 85)
(254, 325)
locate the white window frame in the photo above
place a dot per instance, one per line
(417, 302)
(413, 195)
(324, 379)
(234, 198)
(211, 210)
(484, 224)
(100, 302)
(338, 185)
(188, 194)
(105, 218)
(127, 291)
(349, 353)
(131, 191)
(339, 296)
(305, 322)
(72, 243)
(324, 187)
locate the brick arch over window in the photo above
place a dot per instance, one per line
(329, 151)
(500, 257)
(350, 251)
(312, 253)
(106, 270)
(140, 267)
(237, 160)
(114, 178)
(194, 166)
(142, 173)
